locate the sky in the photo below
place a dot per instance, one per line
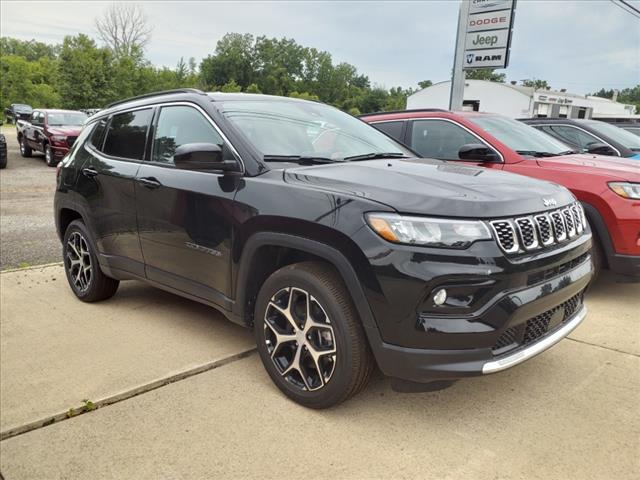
(580, 45)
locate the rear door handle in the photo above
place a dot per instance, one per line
(89, 172)
(149, 182)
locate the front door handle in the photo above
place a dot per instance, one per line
(89, 172)
(149, 182)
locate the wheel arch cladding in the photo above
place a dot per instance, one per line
(66, 216)
(265, 252)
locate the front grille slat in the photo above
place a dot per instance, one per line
(506, 235)
(528, 235)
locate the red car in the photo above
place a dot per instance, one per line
(608, 187)
(51, 132)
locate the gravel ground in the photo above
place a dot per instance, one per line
(28, 234)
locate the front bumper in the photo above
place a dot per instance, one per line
(426, 365)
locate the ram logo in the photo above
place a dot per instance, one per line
(549, 202)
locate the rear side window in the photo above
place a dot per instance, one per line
(127, 134)
(573, 135)
(393, 129)
(179, 125)
(439, 139)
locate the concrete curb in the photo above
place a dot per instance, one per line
(124, 395)
(31, 267)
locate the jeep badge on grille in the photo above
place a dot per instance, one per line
(549, 202)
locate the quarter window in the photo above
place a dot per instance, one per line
(393, 129)
(179, 125)
(439, 139)
(97, 136)
(127, 134)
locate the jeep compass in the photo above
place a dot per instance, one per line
(338, 246)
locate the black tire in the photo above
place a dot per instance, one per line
(96, 285)
(25, 150)
(597, 256)
(3, 162)
(49, 157)
(352, 364)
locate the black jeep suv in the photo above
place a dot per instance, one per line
(339, 247)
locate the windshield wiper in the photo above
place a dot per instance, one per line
(374, 155)
(301, 159)
(535, 153)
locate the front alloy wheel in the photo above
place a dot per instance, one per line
(309, 336)
(48, 156)
(78, 262)
(300, 339)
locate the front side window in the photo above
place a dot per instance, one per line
(524, 139)
(127, 134)
(280, 128)
(439, 139)
(179, 125)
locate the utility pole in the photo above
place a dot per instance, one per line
(457, 80)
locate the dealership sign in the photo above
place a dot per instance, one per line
(488, 33)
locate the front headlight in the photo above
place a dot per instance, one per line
(429, 232)
(58, 138)
(626, 189)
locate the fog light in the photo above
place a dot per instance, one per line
(440, 297)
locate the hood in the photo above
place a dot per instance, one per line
(434, 187)
(616, 168)
(72, 130)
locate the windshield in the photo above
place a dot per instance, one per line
(280, 128)
(617, 134)
(19, 107)
(62, 119)
(519, 136)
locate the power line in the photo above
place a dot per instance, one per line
(627, 7)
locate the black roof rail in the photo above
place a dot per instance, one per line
(154, 94)
(404, 111)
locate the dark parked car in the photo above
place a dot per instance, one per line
(337, 245)
(3, 150)
(17, 111)
(633, 127)
(51, 132)
(591, 136)
(607, 187)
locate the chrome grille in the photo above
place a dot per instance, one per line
(506, 235)
(527, 232)
(545, 232)
(542, 230)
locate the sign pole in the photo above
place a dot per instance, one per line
(457, 80)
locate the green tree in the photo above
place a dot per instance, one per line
(425, 83)
(86, 74)
(31, 50)
(485, 74)
(25, 81)
(536, 84)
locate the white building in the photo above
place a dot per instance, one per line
(521, 102)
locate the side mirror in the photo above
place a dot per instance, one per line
(598, 148)
(202, 156)
(478, 152)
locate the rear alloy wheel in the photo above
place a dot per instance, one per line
(25, 150)
(309, 335)
(49, 157)
(81, 266)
